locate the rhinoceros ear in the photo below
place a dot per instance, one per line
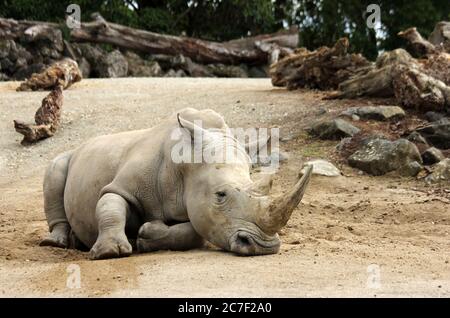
(192, 128)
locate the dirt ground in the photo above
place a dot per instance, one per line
(353, 235)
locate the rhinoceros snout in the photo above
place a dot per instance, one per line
(245, 243)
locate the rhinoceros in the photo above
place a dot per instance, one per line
(122, 190)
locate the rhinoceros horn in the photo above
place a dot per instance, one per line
(282, 206)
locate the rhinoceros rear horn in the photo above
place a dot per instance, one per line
(281, 207)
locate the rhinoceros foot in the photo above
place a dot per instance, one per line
(110, 246)
(59, 236)
(156, 235)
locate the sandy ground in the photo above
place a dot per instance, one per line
(353, 235)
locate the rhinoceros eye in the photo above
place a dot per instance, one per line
(221, 195)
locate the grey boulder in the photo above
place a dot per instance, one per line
(437, 133)
(416, 138)
(433, 116)
(335, 129)
(139, 67)
(113, 64)
(379, 156)
(441, 172)
(432, 155)
(375, 112)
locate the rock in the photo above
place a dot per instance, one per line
(433, 116)
(334, 129)
(7, 65)
(26, 71)
(92, 54)
(222, 70)
(19, 52)
(432, 155)
(85, 67)
(13, 51)
(411, 170)
(113, 64)
(257, 72)
(323, 168)
(343, 143)
(437, 133)
(173, 73)
(101, 63)
(379, 156)
(21, 63)
(4, 77)
(50, 52)
(50, 38)
(139, 67)
(440, 173)
(416, 138)
(5, 47)
(375, 112)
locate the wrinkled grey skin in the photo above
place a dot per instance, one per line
(125, 187)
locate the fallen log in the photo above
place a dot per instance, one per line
(375, 81)
(323, 68)
(47, 118)
(64, 73)
(232, 52)
(12, 29)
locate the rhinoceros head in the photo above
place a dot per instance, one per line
(230, 210)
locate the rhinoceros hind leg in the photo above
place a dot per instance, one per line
(58, 237)
(111, 214)
(54, 184)
(156, 235)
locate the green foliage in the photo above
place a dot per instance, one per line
(401, 14)
(226, 20)
(321, 22)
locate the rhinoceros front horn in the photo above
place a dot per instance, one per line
(281, 207)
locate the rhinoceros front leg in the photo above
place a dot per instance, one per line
(111, 213)
(156, 235)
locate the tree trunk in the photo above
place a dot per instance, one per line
(232, 52)
(64, 73)
(13, 29)
(47, 118)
